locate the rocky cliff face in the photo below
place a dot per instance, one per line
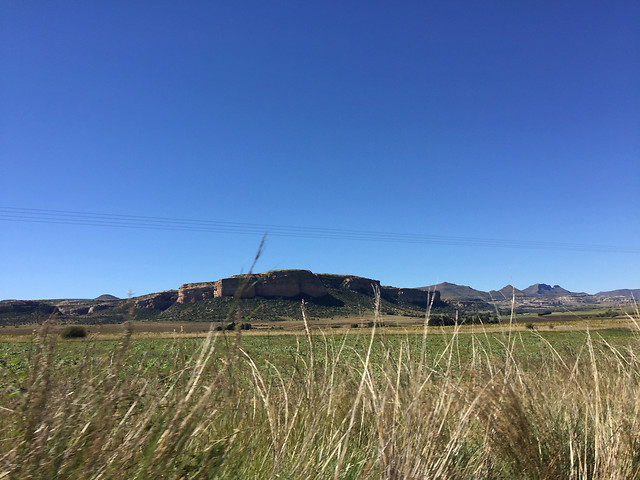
(195, 292)
(100, 307)
(228, 287)
(414, 296)
(277, 283)
(289, 283)
(294, 283)
(350, 282)
(74, 311)
(157, 301)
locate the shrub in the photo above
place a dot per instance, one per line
(245, 326)
(377, 324)
(354, 325)
(530, 326)
(73, 331)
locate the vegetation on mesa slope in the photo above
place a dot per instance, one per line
(337, 303)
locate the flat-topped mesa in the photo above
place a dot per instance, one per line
(350, 282)
(415, 296)
(276, 283)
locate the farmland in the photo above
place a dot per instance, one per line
(462, 402)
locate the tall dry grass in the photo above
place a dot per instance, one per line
(329, 411)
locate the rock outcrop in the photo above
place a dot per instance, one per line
(350, 282)
(195, 292)
(414, 296)
(74, 311)
(289, 283)
(100, 307)
(276, 283)
(157, 301)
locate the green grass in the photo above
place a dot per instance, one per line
(457, 405)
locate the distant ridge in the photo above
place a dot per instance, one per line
(623, 292)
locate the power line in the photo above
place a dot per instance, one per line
(66, 217)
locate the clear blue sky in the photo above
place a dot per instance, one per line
(515, 121)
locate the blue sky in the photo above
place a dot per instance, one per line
(514, 121)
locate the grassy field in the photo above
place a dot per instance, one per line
(494, 402)
(570, 320)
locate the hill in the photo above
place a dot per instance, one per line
(544, 289)
(106, 296)
(451, 291)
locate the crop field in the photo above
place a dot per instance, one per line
(495, 402)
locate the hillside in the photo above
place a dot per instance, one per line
(451, 291)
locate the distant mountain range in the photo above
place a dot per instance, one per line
(539, 295)
(453, 291)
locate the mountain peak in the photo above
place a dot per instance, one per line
(544, 289)
(506, 292)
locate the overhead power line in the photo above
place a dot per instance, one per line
(64, 217)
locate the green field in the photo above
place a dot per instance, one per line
(335, 403)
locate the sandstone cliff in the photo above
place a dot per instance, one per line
(276, 283)
(195, 292)
(350, 282)
(157, 301)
